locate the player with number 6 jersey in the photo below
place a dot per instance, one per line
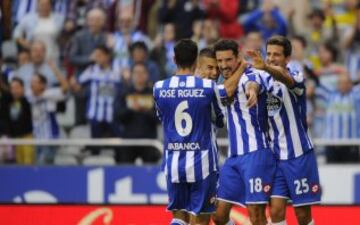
(185, 105)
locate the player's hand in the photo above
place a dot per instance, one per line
(258, 61)
(251, 95)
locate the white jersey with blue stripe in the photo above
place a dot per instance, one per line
(342, 114)
(104, 85)
(186, 105)
(43, 109)
(247, 127)
(287, 117)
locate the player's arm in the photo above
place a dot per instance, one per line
(252, 90)
(231, 84)
(217, 111)
(277, 72)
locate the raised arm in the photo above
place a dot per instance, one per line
(277, 72)
(59, 76)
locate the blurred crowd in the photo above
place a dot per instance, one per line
(103, 56)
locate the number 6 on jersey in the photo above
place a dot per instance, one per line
(180, 116)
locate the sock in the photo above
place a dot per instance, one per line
(280, 223)
(178, 222)
(230, 223)
(311, 222)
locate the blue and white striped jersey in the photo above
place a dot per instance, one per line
(104, 86)
(45, 125)
(342, 113)
(247, 127)
(287, 117)
(185, 107)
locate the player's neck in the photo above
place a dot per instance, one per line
(184, 71)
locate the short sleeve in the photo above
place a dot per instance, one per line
(299, 83)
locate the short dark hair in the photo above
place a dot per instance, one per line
(317, 13)
(329, 46)
(281, 41)
(42, 78)
(185, 53)
(138, 45)
(301, 39)
(207, 52)
(226, 44)
(108, 51)
(18, 80)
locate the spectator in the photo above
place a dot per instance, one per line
(104, 83)
(6, 152)
(163, 52)
(20, 123)
(268, 20)
(210, 34)
(139, 53)
(226, 12)
(78, 11)
(82, 46)
(341, 119)
(38, 64)
(4, 105)
(20, 8)
(351, 42)
(136, 112)
(299, 54)
(43, 25)
(23, 58)
(5, 20)
(253, 41)
(123, 38)
(43, 106)
(330, 69)
(85, 41)
(317, 34)
(182, 13)
(328, 75)
(138, 8)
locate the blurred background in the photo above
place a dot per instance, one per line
(77, 121)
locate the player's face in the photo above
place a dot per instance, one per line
(208, 68)
(227, 62)
(275, 56)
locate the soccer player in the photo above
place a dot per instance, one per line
(184, 105)
(297, 175)
(247, 175)
(207, 66)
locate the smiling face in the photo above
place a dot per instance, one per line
(275, 56)
(227, 62)
(208, 68)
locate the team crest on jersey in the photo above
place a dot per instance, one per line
(212, 200)
(182, 84)
(267, 188)
(273, 104)
(315, 188)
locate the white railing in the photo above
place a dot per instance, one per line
(223, 142)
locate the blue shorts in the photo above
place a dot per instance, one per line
(247, 179)
(195, 198)
(298, 179)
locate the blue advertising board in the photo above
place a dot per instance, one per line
(123, 184)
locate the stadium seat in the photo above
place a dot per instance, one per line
(99, 160)
(79, 132)
(65, 160)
